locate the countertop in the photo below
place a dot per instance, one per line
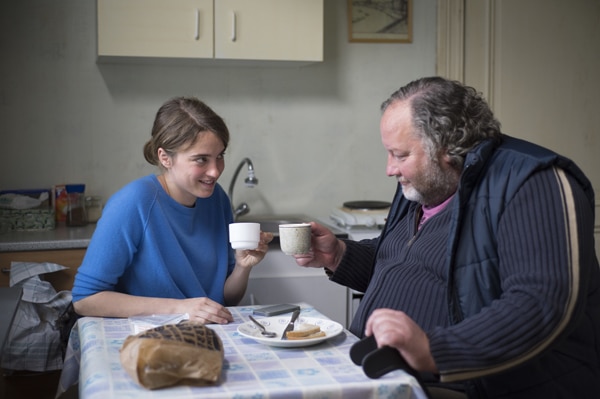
(62, 237)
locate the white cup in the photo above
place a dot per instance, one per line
(244, 235)
(294, 239)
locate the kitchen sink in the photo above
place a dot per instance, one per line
(270, 223)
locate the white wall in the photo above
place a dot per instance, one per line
(537, 62)
(312, 131)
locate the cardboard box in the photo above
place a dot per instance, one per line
(39, 217)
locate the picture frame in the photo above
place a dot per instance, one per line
(380, 21)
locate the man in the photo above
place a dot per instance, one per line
(485, 277)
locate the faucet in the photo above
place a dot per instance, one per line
(250, 181)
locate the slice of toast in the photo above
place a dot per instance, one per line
(304, 331)
(318, 334)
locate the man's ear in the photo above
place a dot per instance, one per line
(446, 159)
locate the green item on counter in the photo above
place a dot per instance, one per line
(26, 219)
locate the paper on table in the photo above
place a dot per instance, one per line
(143, 323)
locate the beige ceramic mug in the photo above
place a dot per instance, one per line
(294, 239)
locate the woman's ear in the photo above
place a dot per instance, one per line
(164, 158)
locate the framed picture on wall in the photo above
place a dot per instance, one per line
(380, 21)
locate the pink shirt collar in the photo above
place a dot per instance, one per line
(431, 211)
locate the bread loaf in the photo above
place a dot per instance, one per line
(185, 353)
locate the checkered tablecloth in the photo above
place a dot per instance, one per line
(251, 369)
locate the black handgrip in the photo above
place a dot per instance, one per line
(377, 362)
(383, 360)
(361, 349)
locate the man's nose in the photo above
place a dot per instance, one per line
(391, 169)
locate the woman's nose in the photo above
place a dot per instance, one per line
(214, 170)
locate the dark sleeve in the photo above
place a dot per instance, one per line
(355, 268)
(544, 251)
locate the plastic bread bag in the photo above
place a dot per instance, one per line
(186, 353)
(40, 330)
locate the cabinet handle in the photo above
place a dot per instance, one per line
(233, 30)
(6, 270)
(197, 37)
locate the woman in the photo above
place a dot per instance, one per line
(161, 245)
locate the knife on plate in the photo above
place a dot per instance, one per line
(290, 326)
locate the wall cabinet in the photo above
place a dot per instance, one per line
(269, 30)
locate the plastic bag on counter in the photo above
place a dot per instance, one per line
(18, 201)
(43, 320)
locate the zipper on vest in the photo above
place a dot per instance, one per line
(418, 215)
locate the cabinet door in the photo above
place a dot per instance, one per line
(286, 30)
(155, 28)
(61, 280)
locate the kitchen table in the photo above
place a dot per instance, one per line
(250, 369)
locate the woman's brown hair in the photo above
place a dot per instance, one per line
(178, 123)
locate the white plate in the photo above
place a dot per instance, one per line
(278, 323)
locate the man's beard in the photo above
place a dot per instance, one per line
(432, 187)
